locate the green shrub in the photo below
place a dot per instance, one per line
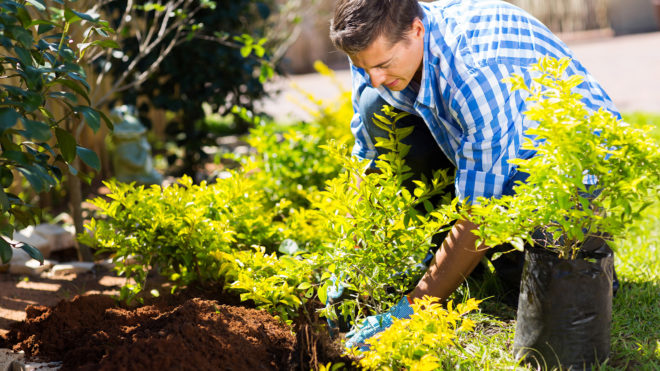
(375, 234)
(428, 340)
(292, 161)
(280, 285)
(259, 206)
(178, 228)
(570, 143)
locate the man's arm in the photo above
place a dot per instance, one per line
(453, 262)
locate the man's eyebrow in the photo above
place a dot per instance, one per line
(382, 63)
(379, 65)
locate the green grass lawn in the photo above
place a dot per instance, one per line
(635, 334)
(636, 309)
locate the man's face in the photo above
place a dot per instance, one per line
(393, 66)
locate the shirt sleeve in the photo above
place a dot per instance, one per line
(363, 148)
(492, 123)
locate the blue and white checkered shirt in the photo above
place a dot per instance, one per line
(469, 47)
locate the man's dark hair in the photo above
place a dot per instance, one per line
(357, 23)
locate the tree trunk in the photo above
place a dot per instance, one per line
(75, 197)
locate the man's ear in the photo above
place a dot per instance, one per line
(417, 29)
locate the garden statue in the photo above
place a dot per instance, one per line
(132, 160)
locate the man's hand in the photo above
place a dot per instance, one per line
(375, 324)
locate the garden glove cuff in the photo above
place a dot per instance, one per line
(334, 292)
(336, 288)
(375, 324)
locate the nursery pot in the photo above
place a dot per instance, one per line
(565, 309)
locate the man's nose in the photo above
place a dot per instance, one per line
(377, 77)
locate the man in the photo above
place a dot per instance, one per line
(444, 62)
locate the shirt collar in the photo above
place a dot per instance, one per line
(426, 94)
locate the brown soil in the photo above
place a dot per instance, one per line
(93, 333)
(19, 292)
(197, 329)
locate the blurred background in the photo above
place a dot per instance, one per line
(565, 17)
(617, 40)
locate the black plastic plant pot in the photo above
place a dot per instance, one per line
(565, 309)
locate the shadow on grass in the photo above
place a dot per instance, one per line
(498, 301)
(635, 327)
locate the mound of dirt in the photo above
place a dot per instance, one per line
(94, 333)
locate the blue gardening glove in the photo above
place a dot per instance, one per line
(375, 324)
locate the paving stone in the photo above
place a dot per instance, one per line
(58, 237)
(71, 267)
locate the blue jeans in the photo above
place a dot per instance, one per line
(424, 157)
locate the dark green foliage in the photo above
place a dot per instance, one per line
(40, 70)
(218, 64)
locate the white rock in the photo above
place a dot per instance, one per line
(242, 150)
(30, 267)
(71, 267)
(58, 237)
(30, 237)
(7, 356)
(107, 264)
(42, 366)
